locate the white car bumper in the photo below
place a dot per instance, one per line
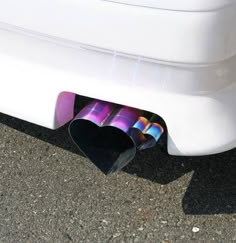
(179, 64)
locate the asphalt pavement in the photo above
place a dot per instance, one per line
(50, 193)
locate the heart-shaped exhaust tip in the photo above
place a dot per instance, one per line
(109, 135)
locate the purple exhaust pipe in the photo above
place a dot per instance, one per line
(109, 135)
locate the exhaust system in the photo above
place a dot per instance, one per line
(109, 134)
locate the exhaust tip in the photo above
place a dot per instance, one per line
(109, 135)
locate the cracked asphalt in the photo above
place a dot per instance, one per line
(50, 193)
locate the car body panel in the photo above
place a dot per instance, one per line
(191, 85)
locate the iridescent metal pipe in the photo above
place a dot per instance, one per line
(101, 131)
(97, 112)
(146, 133)
(109, 134)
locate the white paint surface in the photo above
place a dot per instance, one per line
(197, 102)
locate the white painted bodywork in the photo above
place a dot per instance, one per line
(178, 62)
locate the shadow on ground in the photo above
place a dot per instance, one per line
(212, 189)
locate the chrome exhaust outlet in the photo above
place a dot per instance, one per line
(109, 135)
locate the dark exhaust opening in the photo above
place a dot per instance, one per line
(108, 148)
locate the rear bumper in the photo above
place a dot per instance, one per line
(192, 88)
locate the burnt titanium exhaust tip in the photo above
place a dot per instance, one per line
(109, 135)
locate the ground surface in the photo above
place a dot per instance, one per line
(49, 193)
